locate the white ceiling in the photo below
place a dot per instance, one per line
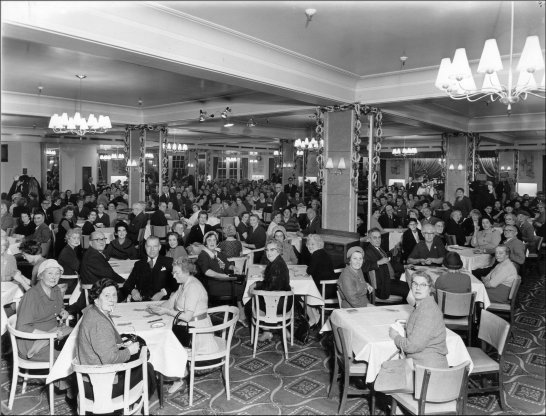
(354, 40)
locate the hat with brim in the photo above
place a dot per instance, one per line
(49, 264)
(207, 235)
(453, 261)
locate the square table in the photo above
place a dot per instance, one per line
(471, 260)
(368, 336)
(167, 355)
(476, 284)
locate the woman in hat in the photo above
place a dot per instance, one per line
(453, 280)
(39, 310)
(288, 254)
(231, 247)
(351, 285)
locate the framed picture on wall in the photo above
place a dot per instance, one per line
(4, 153)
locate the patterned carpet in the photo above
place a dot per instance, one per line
(268, 384)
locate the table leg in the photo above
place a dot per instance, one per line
(160, 388)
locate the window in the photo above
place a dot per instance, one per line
(179, 166)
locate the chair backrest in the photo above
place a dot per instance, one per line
(494, 330)
(339, 298)
(226, 327)
(86, 288)
(340, 345)
(140, 237)
(57, 215)
(514, 290)
(451, 239)
(267, 217)
(456, 304)
(239, 264)
(438, 385)
(226, 220)
(16, 334)
(323, 284)
(102, 378)
(85, 241)
(271, 300)
(66, 296)
(373, 279)
(159, 231)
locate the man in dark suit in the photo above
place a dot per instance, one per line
(313, 222)
(281, 200)
(158, 217)
(151, 278)
(137, 220)
(377, 259)
(290, 188)
(410, 238)
(89, 187)
(94, 265)
(44, 209)
(388, 219)
(167, 196)
(411, 186)
(42, 233)
(198, 231)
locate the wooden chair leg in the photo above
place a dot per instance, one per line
(372, 400)
(226, 375)
(333, 381)
(51, 399)
(284, 329)
(344, 391)
(13, 388)
(394, 405)
(501, 390)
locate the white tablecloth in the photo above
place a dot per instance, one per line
(11, 292)
(395, 236)
(13, 245)
(476, 284)
(472, 261)
(166, 354)
(295, 240)
(122, 267)
(369, 339)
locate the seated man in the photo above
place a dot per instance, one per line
(389, 219)
(430, 252)
(378, 260)
(312, 225)
(138, 220)
(151, 278)
(94, 265)
(158, 218)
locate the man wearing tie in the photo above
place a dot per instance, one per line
(166, 196)
(290, 188)
(379, 261)
(94, 265)
(388, 219)
(151, 278)
(280, 201)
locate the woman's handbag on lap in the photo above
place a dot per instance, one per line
(395, 376)
(181, 332)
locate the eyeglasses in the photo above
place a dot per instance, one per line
(419, 285)
(429, 233)
(99, 239)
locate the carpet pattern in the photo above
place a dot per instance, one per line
(269, 384)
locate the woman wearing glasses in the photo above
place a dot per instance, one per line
(425, 340)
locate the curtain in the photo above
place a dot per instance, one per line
(488, 166)
(425, 166)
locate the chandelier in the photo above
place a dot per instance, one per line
(456, 80)
(405, 151)
(173, 147)
(78, 124)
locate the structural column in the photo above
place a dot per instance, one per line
(339, 199)
(137, 146)
(457, 152)
(288, 156)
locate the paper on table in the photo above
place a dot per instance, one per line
(398, 326)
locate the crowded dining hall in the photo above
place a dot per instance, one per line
(272, 207)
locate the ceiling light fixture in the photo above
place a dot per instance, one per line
(202, 115)
(404, 152)
(224, 113)
(78, 124)
(456, 80)
(250, 122)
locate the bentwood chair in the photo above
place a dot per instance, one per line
(223, 334)
(324, 284)
(101, 377)
(23, 367)
(270, 319)
(494, 332)
(437, 391)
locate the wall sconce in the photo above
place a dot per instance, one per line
(288, 165)
(132, 163)
(340, 166)
(224, 114)
(505, 168)
(460, 166)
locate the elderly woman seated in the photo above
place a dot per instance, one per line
(320, 265)
(499, 280)
(288, 254)
(9, 267)
(32, 253)
(351, 284)
(39, 310)
(486, 239)
(453, 280)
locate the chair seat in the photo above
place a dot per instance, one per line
(33, 365)
(391, 299)
(406, 400)
(482, 362)
(358, 367)
(499, 307)
(215, 355)
(117, 402)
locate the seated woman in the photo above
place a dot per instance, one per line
(102, 220)
(425, 340)
(121, 247)
(66, 223)
(171, 213)
(374, 221)
(9, 270)
(288, 254)
(487, 239)
(174, 249)
(179, 227)
(39, 310)
(454, 227)
(216, 209)
(25, 226)
(276, 219)
(230, 246)
(243, 226)
(440, 231)
(351, 284)
(112, 213)
(32, 253)
(70, 257)
(99, 342)
(190, 303)
(499, 280)
(473, 223)
(214, 264)
(320, 266)
(276, 277)
(454, 280)
(89, 225)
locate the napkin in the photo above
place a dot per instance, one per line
(398, 326)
